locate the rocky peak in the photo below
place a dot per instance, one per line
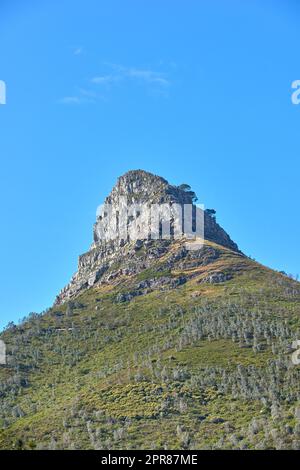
(134, 187)
(140, 186)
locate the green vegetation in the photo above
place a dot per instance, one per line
(203, 365)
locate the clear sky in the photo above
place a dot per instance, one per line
(196, 91)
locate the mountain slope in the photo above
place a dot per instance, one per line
(166, 348)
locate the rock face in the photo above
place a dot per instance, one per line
(111, 257)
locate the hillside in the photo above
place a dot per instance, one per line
(154, 346)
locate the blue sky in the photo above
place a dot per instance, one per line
(196, 91)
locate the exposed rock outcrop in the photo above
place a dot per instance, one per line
(111, 257)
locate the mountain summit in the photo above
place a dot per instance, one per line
(138, 187)
(154, 345)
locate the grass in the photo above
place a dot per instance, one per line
(128, 376)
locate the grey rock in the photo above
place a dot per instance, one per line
(218, 420)
(216, 278)
(109, 259)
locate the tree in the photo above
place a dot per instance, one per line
(184, 187)
(211, 213)
(193, 195)
(188, 190)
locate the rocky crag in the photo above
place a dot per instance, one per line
(109, 260)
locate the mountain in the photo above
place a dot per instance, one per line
(163, 343)
(111, 259)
